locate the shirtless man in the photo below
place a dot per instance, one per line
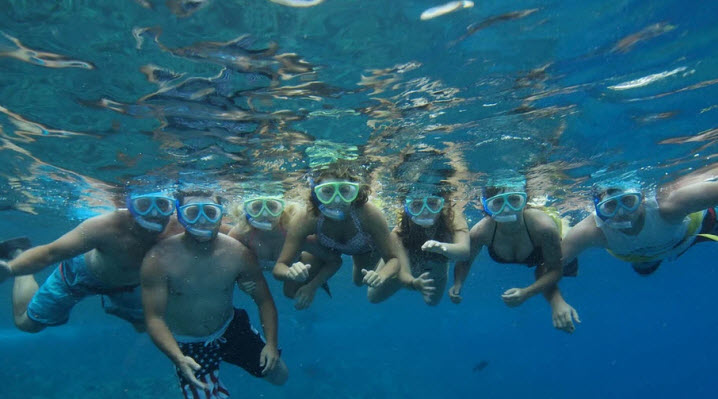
(187, 286)
(101, 256)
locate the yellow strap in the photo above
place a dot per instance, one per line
(709, 236)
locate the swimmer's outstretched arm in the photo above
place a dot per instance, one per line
(462, 268)
(88, 235)
(262, 297)
(550, 244)
(691, 198)
(377, 227)
(580, 237)
(300, 227)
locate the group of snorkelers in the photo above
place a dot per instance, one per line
(168, 264)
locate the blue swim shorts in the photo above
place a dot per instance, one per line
(69, 284)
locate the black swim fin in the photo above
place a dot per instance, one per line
(646, 268)
(325, 287)
(8, 247)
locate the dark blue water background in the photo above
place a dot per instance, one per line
(546, 88)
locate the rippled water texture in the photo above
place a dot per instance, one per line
(96, 96)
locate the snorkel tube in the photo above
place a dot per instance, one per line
(266, 226)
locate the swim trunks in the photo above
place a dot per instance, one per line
(237, 342)
(69, 284)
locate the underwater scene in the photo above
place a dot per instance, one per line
(358, 199)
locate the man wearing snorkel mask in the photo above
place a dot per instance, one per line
(514, 234)
(646, 229)
(101, 256)
(187, 286)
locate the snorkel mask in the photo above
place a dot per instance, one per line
(416, 205)
(268, 207)
(327, 193)
(497, 205)
(629, 200)
(195, 213)
(151, 211)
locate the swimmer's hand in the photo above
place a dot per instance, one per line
(455, 294)
(304, 297)
(5, 271)
(563, 315)
(514, 297)
(298, 272)
(268, 359)
(424, 284)
(435, 247)
(372, 278)
(248, 287)
(186, 365)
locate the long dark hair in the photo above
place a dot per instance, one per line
(414, 236)
(341, 170)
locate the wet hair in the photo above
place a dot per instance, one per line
(414, 236)
(490, 191)
(341, 170)
(608, 192)
(181, 196)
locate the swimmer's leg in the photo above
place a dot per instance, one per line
(23, 291)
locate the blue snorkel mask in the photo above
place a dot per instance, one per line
(496, 205)
(190, 214)
(629, 200)
(151, 211)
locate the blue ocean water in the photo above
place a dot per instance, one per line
(99, 96)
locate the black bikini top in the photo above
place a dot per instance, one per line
(535, 258)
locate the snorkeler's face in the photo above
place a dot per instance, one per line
(201, 217)
(424, 210)
(336, 193)
(151, 211)
(619, 206)
(506, 205)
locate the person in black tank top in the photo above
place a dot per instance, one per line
(516, 234)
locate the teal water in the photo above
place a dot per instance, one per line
(99, 96)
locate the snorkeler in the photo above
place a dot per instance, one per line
(340, 221)
(431, 232)
(187, 286)
(101, 256)
(646, 229)
(263, 230)
(519, 235)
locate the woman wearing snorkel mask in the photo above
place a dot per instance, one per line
(431, 232)
(340, 221)
(647, 229)
(515, 234)
(262, 228)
